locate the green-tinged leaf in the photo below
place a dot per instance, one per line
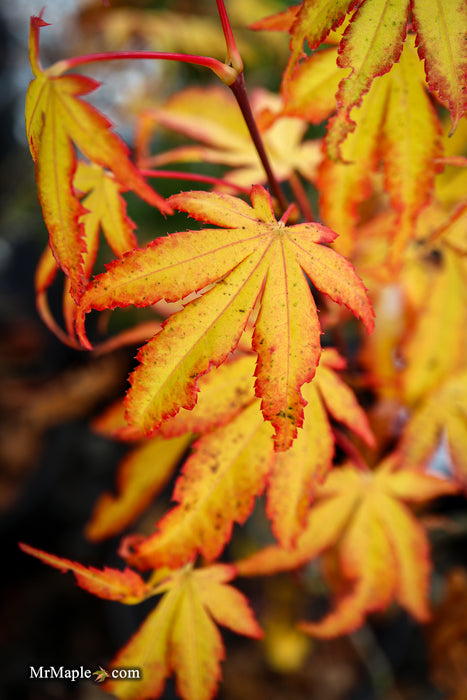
(411, 145)
(396, 125)
(372, 43)
(309, 88)
(344, 186)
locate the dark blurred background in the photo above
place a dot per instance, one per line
(53, 467)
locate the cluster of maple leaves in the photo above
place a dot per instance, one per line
(237, 372)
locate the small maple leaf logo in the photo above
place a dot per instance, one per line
(101, 675)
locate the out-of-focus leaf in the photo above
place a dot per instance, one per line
(375, 537)
(440, 417)
(141, 477)
(125, 586)
(180, 636)
(211, 116)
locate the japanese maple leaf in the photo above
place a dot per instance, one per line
(112, 584)
(212, 117)
(441, 314)
(253, 257)
(439, 419)
(180, 635)
(101, 197)
(57, 122)
(382, 550)
(46, 273)
(372, 44)
(231, 465)
(104, 209)
(297, 473)
(397, 127)
(308, 87)
(141, 476)
(101, 675)
(146, 469)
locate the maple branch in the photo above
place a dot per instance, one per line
(233, 55)
(44, 312)
(240, 93)
(196, 177)
(238, 88)
(301, 197)
(350, 450)
(226, 73)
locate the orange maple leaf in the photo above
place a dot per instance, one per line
(104, 208)
(57, 121)
(212, 117)
(373, 41)
(180, 635)
(253, 257)
(232, 465)
(112, 584)
(395, 126)
(382, 549)
(146, 469)
(141, 476)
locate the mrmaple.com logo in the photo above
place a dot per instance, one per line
(75, 674)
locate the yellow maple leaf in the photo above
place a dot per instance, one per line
(372, 45)
(382, 549)
(253, 257)
(57, 122)
(181, 637)
(141, 476)
(230, 466)
(441, 316)
(395, 127)
(440, 419)
(212, 117)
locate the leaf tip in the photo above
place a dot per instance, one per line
(80, 327)
(38, 21)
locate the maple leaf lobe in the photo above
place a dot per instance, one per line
(252, 257)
